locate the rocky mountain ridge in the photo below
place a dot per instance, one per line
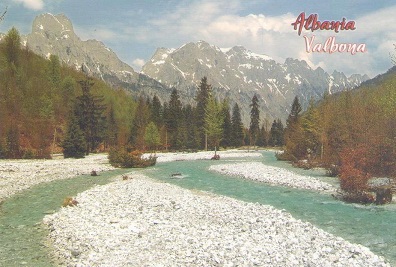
(54, 35)
(235, 73)
(238, 74)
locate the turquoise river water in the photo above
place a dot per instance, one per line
(372, 226)
(22, 237)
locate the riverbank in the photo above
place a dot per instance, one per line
(206, 155)
(19, 175)
(141, 222)
(260, 172)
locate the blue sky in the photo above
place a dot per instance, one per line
(134, 29)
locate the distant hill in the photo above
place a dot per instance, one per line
(380, 78)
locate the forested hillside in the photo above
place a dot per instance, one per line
(47, 107)
(351, 133)
(37, 97)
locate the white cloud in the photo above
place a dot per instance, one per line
(218, 23)
(32, 4)
(138, 63)
(379, 35)
(221, 23)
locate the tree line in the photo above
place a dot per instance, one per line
(209, 124)
(47, 107)
(38, 97)
(352, 134)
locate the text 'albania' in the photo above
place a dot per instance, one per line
(311, 23)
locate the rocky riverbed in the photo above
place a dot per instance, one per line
(142, 222)
(18, 175)
(277, 176)
(205, 155)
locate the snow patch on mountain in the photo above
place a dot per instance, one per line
(238, 73)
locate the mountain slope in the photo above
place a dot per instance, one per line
(235, 73)
(238, 73)
(54, 35)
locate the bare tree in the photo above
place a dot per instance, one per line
(3, 15)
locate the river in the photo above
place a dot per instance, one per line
(371, 226)
(22, 237)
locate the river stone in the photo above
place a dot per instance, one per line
(75, 252)
(203, 228)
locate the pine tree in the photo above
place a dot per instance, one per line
(12, 96)
(312, 130)
(281, 132)
(182, 133)
(214, 122)
(293, 137)
(164, 128)
(276, 133)
(156, 111)
(254, 128)
(74, 145)
(237, 127)
(262, 137)
(151, 136)
(67, 92)
(139, 123)
(12, 143)
(89, 110)
(112, 129)
(13, 44)
(173, 117)
(227, 125)
(203, 93)
(54, 71)
(294, 113)
(192, 135)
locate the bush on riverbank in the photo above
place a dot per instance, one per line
(127, 158)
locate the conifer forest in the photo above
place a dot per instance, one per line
(47, 107)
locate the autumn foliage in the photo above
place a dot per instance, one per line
(355, 169)
(350, 133)
(36, 99)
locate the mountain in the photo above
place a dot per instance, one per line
(235, 73)
(238, 74)
(54, 35)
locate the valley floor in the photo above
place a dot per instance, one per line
(19, 175)
(143, 222)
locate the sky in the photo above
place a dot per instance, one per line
(135, 29)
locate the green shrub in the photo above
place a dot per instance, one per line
(124, 158)
(28, 154)
(3, 151)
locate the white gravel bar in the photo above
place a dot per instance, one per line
(258, 171)
(142, 222)
(202, 155)
(18, 175)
